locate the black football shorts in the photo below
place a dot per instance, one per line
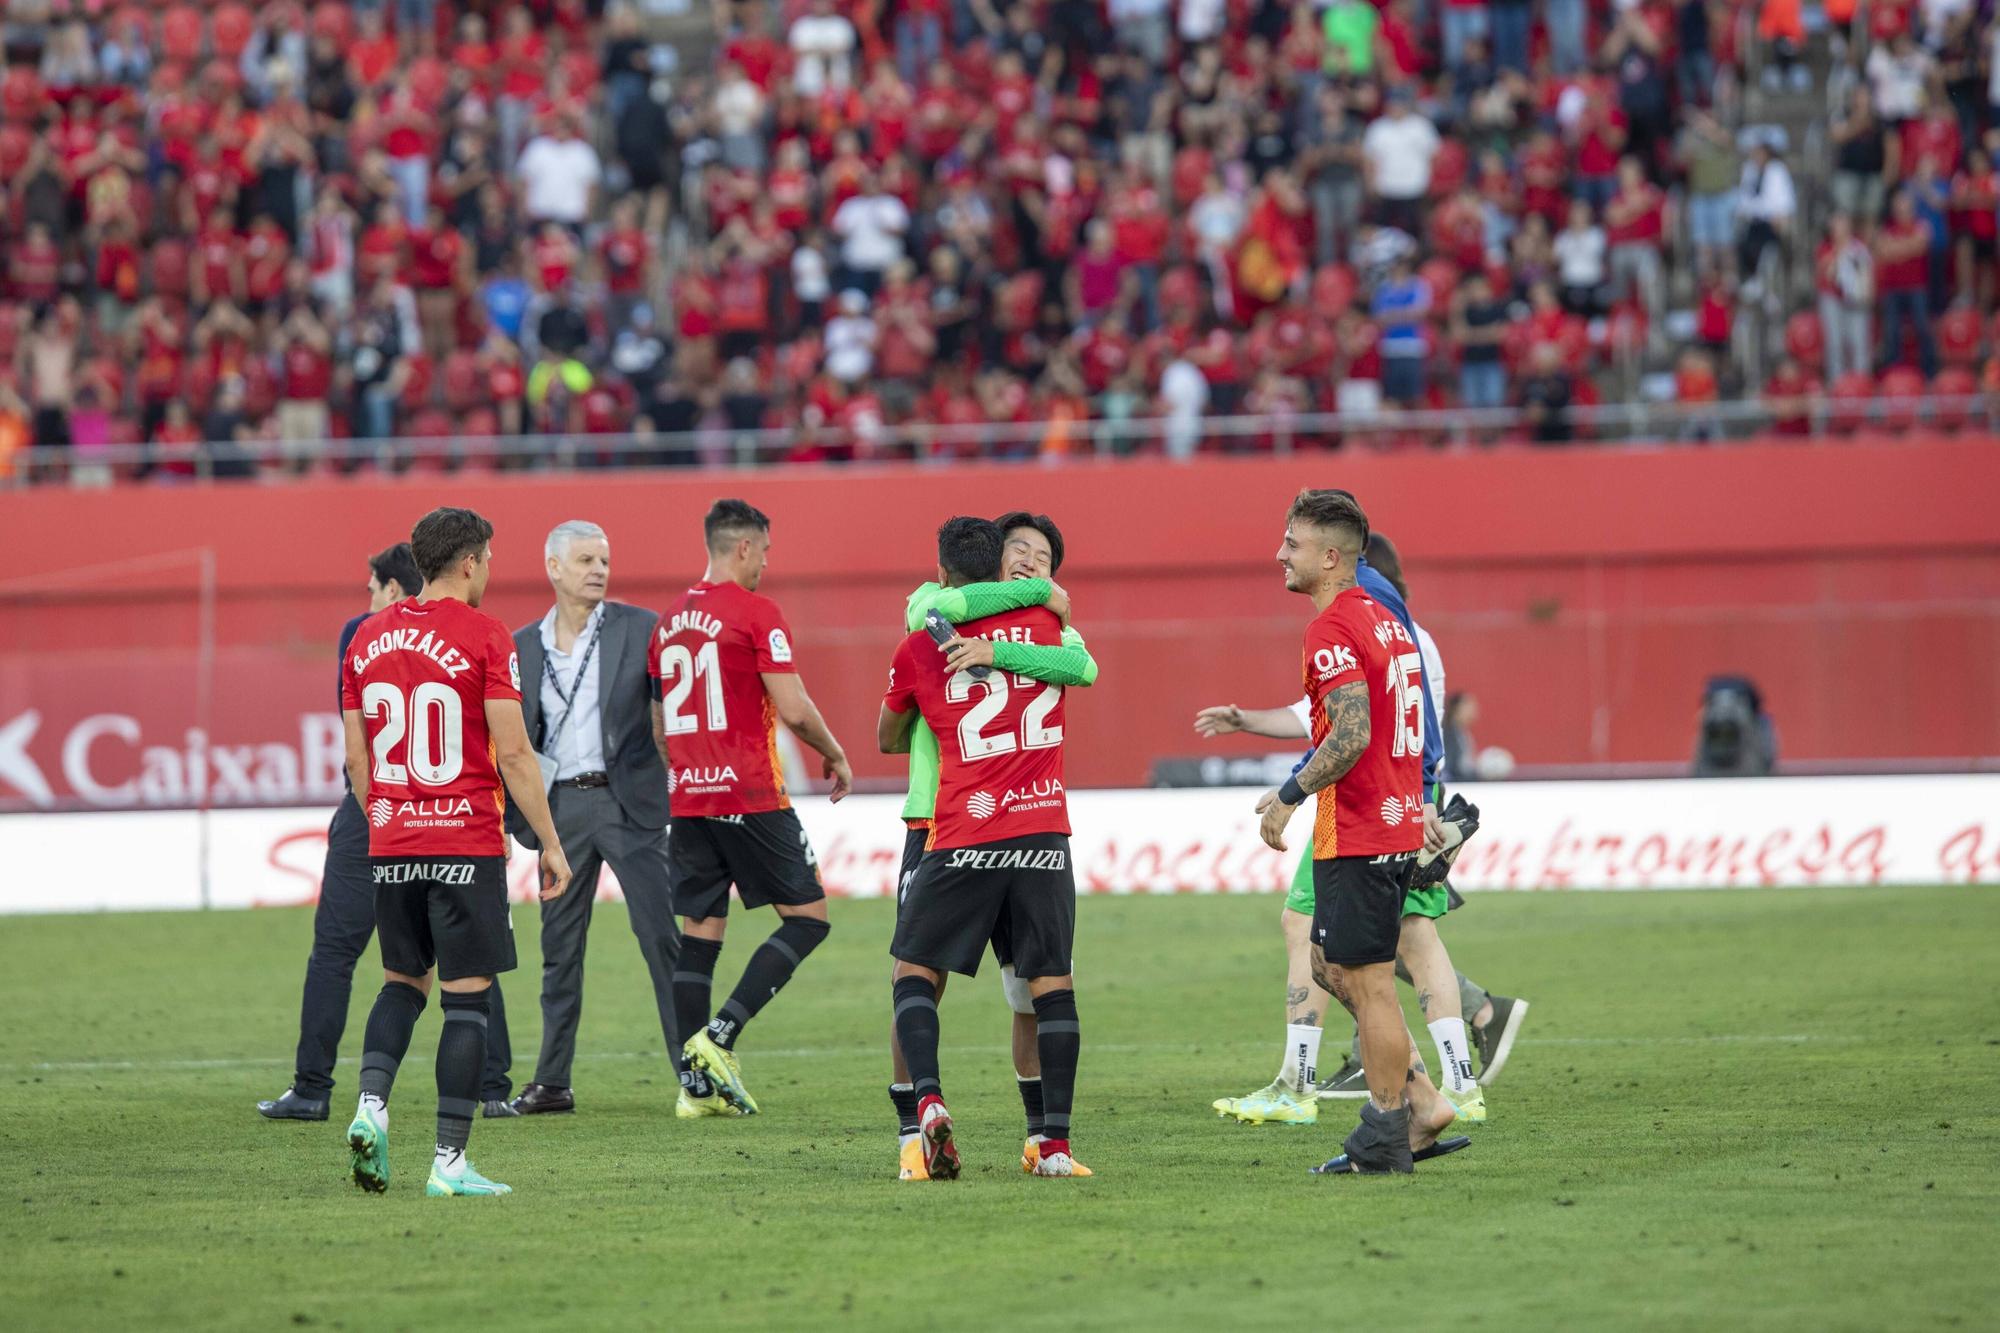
(1358, 906)
(915, 842)
(444, 911)
(1018, 895)
(765, 855)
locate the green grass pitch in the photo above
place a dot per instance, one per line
(1769, 1109)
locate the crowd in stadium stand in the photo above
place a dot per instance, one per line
(285, 223)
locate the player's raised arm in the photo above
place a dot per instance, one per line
(516, 759)
(975, 601)
(1067, 663)
(1279, 724)
(798, 712)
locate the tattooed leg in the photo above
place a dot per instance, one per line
(1306, 998)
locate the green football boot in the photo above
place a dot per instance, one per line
(722, 1069)
(461, 1181)
(368, 1142)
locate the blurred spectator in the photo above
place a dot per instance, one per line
(559, 174)
(1860, 157)
(1845, 270)
(1902, 249)
(1768, 203)
(822, 44)
(1788, 397)
(1708, 154)
(1479, 327)
(850, 339)
(1461, 752)
(1580, 252)
(1401, 305)
(1546, 395)
(1183, 399)
(1398, 149)
(870, 226)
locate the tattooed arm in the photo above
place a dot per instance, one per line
(1345, 743)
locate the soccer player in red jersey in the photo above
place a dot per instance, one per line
(431, 700)
(1363, 675)
(723, 658)
(998, 867)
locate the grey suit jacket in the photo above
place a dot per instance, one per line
(624, 691)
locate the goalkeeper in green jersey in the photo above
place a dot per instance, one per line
(1030, 557)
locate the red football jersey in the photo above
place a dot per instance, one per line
(1000, 739)
(1378, 806)
(709, 652)
(420, 674)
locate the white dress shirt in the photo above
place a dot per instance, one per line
(580, 748)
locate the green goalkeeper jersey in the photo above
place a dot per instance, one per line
(1070, 664)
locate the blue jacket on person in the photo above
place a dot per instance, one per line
(1376, 584)
(340, 677)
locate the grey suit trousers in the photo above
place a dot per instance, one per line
(594, 834)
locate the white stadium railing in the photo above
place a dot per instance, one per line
(1826, 419)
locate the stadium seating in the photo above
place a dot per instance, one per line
(1076, 214)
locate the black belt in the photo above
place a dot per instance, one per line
(586, 780)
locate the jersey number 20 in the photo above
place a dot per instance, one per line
(1036, 734)
(437, 740)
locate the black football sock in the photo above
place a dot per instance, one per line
(768, 971)
(1031, 1102)
(461, 1063)
(387, 1039)
(694, 978)
(917, 1030)
(1059, 1038)
(904, 1095)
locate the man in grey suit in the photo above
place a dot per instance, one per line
(585, 697)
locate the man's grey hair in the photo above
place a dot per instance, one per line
(576, 529)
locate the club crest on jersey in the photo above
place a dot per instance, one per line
(1330, 662)
(379, 811)
(1396, 809)
(781, 647)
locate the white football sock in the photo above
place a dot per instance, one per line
(1301, 1067)
(1455, 1070)
(375, 1107)
(905, 1140)
(450, 1160)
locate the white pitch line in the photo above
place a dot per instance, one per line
(852, 1052)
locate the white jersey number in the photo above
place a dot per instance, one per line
(1406, 693)
(678, 670)
(434, 719)
(1036, 734)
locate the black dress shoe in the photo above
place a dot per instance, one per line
(498, 1108)
(540, 1099)
(291, 1106)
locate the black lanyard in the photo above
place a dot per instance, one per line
(575, 684)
